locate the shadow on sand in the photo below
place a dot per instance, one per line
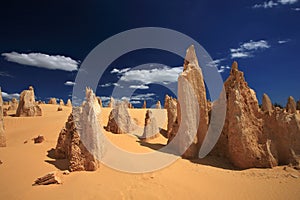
(61, 164)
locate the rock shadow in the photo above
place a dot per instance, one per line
(61, 164)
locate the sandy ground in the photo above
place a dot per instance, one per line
(209, 178)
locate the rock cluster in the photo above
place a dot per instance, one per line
(151, 129)
(192, 100)
(257, 138)
(52, 101)
(2, 135)
(80, 141)
(119, 121)
(27, 106)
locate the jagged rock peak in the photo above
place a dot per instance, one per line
(190, 58)
(291, 105)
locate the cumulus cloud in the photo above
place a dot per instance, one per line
(157, 75)
(141, 87)
(247, 49)
(7, 96)
(271, 4)
(147, 96)
(296, 9)
(135, 102)
(69, 83)
(52, 62)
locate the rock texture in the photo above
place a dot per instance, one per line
(27, 106)
(298, 105)
(144, 105)
(80, 141)
(119, 121)
(251, 138)
(266, 104)
(158, 105)
(39, 139)
(151, 129)
(291, 105)
(191, 84)
(2, 134)
(52, 101)
(69, 103)
(59, 108)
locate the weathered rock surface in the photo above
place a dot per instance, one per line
(50, 178)
(27, 106)
(266, 104)
(158, 105)
(80, 141)
(298, 105)
(119, 121)
(291, 105)
(144, 105)
(69, 103)
(2, 134)
(39, 139)
(190, 88)
(245, 144)
(151, 129)
(52, 101)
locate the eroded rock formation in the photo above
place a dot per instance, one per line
(111, 102)
(61, 102)
(80, 141)
(13, 104)
(144, 105)
(119, 121)
(27, 106)
(298, 105)
(266, 104)
(52, 101)
(151, 129)
(192, 99)
(2, 134)
(291, 105)
(99, 101)
(171, 106)
(158, 105)
(69, 103)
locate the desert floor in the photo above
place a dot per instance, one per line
(209, 178)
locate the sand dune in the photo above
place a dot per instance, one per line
(209, 178)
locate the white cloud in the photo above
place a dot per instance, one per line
(5, 74)
(141, 87)
(135, 102)
(119, 71)
(157, 75)
(248, 48)
(271, 4)
(103, 98)
(10, 96)
(69, 83)
(43, 61)
(296, 9)
(221, 70)
(111, 84)
(283, 41)
(287, 1)
(139, 97)
(216, 63)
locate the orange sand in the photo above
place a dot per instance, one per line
(209, 178)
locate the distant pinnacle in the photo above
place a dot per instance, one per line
(234, 67)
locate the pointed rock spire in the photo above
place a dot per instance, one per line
(266, 104)
(291, 105)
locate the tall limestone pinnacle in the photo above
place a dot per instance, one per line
(191, 95)
(266, 103)
(2, 135)
(27, 106)
(80, 141)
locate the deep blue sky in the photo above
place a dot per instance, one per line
(74, 28)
